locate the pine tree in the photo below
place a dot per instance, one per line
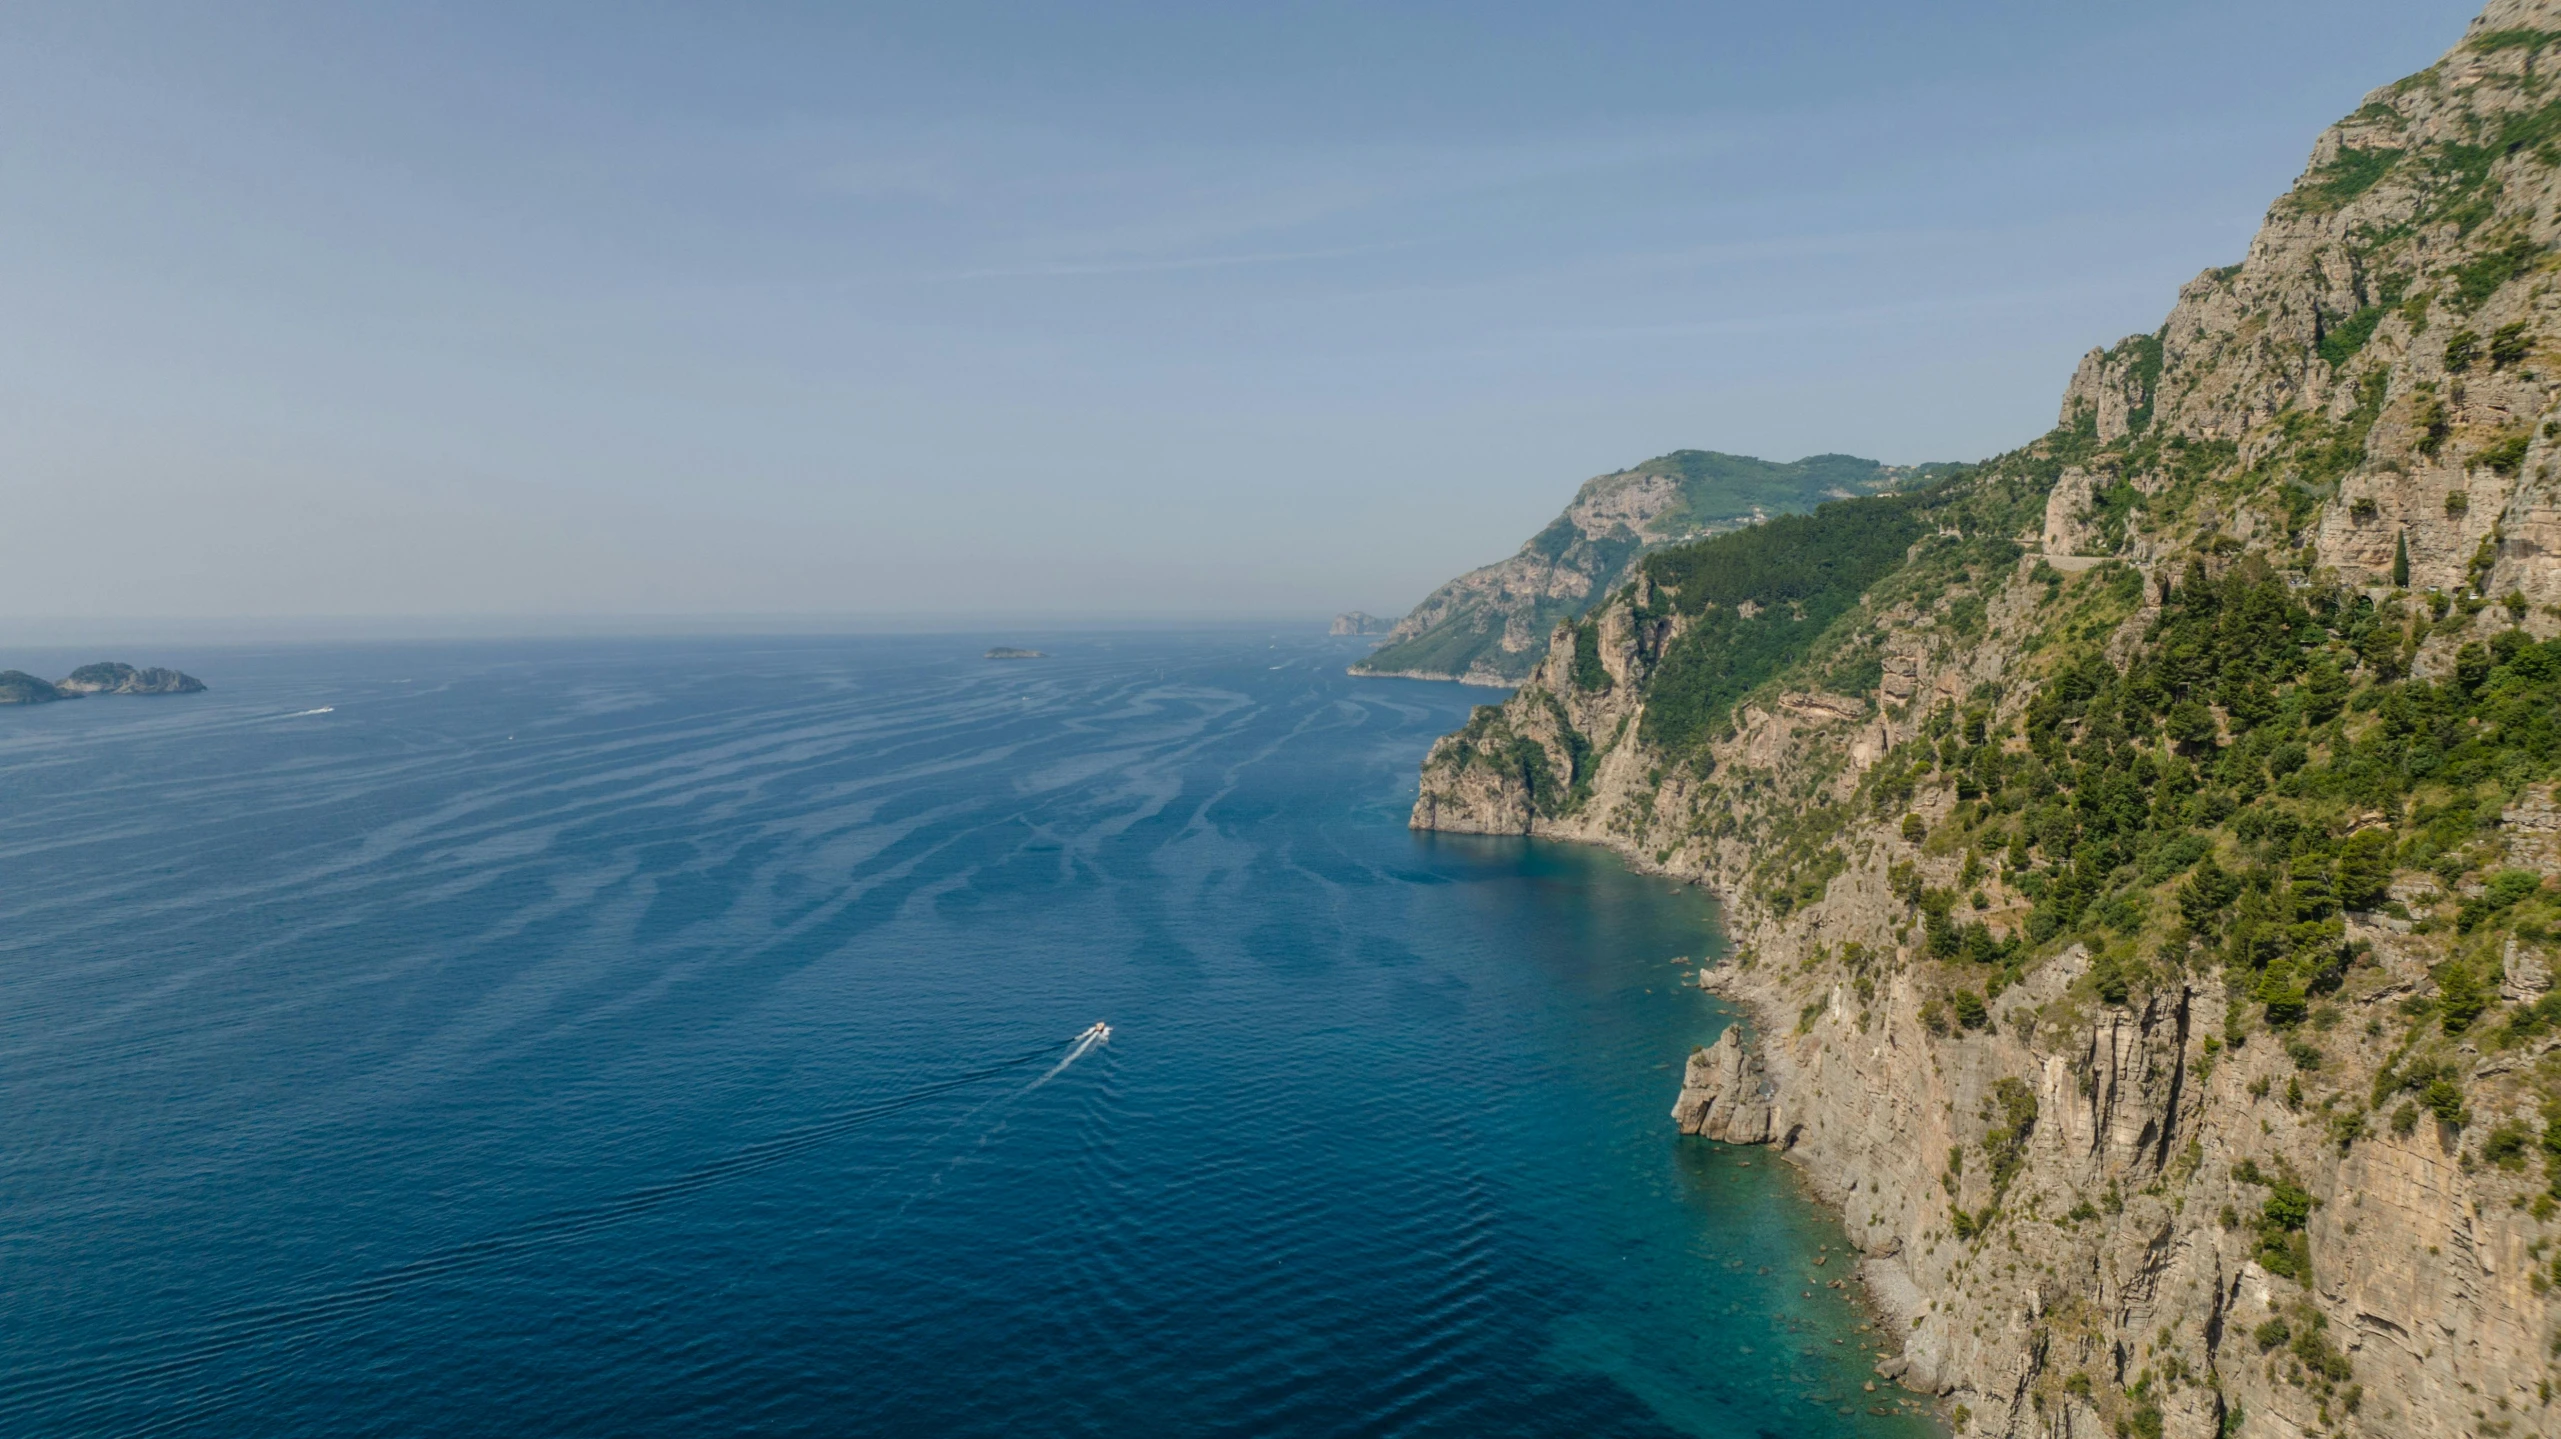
(2401, 560)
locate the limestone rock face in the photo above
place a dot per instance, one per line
(2524, 975)
(2112, 389)
(2368, 302)
(1725, 1094)
(2421, 1262)
(2533, 829)
(2067, 509)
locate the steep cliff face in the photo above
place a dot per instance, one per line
(1489, 625)
(2384, 353)
(2146, 880)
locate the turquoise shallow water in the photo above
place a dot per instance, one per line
(644, 1038)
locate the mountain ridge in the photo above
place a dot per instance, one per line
(1486, 626)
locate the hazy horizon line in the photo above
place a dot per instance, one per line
(47, 632)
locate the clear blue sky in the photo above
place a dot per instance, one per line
(1149, 309)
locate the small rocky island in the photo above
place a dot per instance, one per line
(1008, 652)
(17, 687)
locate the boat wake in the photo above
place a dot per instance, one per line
(1095, 1037)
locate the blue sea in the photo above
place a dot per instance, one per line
(678, 1037)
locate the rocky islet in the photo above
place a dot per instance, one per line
(103, 678)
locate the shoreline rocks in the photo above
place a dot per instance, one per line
(1725, 1093)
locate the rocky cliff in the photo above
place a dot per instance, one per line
(2141, 848)
(1489, 625)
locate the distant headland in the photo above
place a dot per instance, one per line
(1008, 652)
(17, 687)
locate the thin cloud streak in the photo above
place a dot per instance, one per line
(1172, 263)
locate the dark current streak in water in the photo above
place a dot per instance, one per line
(488, 1055)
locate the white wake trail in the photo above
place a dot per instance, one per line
(1092, 1039)
(1086, 1043)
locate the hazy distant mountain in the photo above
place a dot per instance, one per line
(1489, 626)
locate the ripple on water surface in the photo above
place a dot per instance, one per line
(641, 1038)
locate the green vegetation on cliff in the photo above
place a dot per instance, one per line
(1758, 600)
(1816, 587)
(2263, 762)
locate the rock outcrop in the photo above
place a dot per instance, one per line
(2146, 895)
(1725, 1094)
